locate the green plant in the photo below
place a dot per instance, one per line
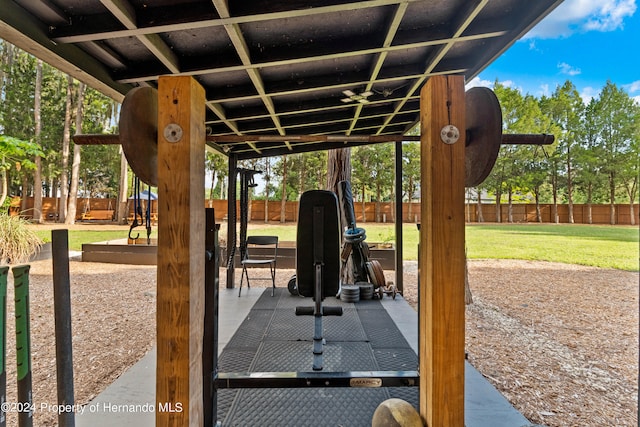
(17, 241)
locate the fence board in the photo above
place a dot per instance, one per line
(522, 213)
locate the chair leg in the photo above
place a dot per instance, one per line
(244, 271)
(273, 278)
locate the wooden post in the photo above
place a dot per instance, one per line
(442, 256)
(181, 252)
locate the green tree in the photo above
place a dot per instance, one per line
(410, 173)
(616, 118)
(589, 176)
(14, 153)
(565, 108)
(216, 164)
(374, 168)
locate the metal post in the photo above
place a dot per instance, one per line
(62, 315)
(210, 345)
(23, 344)
(399, 218)
(231, 221)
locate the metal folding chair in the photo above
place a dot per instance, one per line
(261, 250)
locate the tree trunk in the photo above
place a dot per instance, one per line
(498, 206)
(283, 197)
(4, 185)
(338, 168)
(510, 205)
(37, 176)
(25, 193)
(378, 214)
(479, 202)
(612, 199)
(569, 184)
(66, 137)
(123, 191)
(364, 205)
(538, 213)
(75, 164)
(589, 210)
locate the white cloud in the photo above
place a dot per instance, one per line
(568, 69)
(477, 81)
(632, 87)
(544, 90)
(583, 15)
(588, 93)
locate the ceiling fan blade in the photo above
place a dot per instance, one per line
(345, 100)
(348, 92)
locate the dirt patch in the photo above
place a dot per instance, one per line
(559, 341)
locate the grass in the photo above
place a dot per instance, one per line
(78, 237)
(593, 245)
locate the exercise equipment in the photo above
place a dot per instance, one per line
(317, 260)
(318, 276)
(137, 209)
(484, 135)
(247, 181)
(396, 413)
(139, 134)
(364, 270)
(23, 344)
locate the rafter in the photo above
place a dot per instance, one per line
(126, 14)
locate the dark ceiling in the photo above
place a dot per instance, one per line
(323, 67)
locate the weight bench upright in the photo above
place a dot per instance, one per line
(318, 260)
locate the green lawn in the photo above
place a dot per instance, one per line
(598, 246)
(78, 237)
(594, 245)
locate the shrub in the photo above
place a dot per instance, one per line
(17, 241)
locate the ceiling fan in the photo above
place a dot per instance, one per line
(352, 96)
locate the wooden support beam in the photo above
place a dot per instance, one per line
(181, 252)
(442, 256)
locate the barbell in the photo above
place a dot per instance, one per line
(139, 135)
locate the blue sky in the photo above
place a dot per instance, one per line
(585, 41)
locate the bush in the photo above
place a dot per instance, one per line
(17, 241)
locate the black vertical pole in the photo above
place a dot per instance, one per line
(231, 221)
(399, 217)
(4, 272)
(23, 344)
(210, 345)
(62, 315)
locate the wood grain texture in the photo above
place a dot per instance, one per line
(441, 316)
(180, 310)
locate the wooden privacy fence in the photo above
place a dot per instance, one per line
(104, 209)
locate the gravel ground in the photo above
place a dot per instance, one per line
(559, 341)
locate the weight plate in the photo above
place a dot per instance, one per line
(292, 285)
(139, 132)
(484, 134)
